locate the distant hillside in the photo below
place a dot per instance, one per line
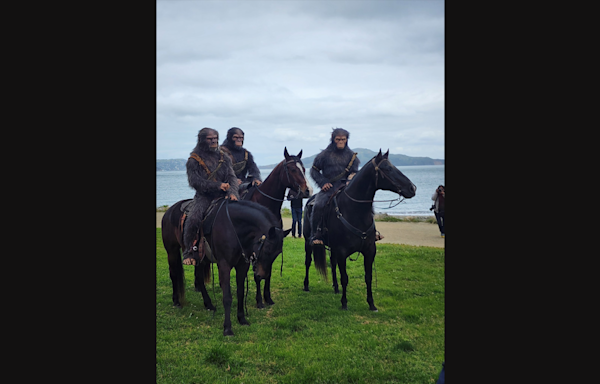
(364, 155)
(170, 164)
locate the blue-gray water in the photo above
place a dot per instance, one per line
(172, 186)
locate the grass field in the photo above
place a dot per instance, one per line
(305, 337)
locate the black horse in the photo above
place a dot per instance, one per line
(349, 222)
(289, 173)
(242, 232)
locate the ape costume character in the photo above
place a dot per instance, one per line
(211, 174)
(335, 165)
(244, 166)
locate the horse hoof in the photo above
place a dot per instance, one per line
(306, 289)
(270, 302)
(344, 308)
(177, 305)
(374, 309)
(210, 307)
(260, 306)
(228, 332)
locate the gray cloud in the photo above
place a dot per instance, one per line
(287, 72)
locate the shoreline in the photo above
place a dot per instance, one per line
(408, 232)
(379, 216)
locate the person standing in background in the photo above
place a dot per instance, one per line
(439, 196)
(296, 207)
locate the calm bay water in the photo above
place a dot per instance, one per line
(172, 186)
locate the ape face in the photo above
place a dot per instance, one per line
(238, 139)
(212, 141)
(340, 141)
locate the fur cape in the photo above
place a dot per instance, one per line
(198, 177)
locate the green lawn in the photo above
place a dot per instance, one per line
(305, 337)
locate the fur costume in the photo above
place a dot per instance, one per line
(206, 190)
(250, 171)
(328, 164)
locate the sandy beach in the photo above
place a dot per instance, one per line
(420, 234)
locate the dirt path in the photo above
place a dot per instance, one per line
(420, 234)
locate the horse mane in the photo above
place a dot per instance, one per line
(359, 173)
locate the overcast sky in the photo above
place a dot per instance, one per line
(287, 72)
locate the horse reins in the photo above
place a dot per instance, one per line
(383, 175)
(289, 181)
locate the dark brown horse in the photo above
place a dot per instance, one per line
(289, 173)
(349, 222)
(242, 233)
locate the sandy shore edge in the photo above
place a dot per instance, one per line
(410, 233)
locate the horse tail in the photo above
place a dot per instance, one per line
(320, 261)
(180, 276)
(170, 234)
(177, 275)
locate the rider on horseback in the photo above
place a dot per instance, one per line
(244, 166)
(334, 166)
(211, 174)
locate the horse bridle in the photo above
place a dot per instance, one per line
(383, 175)
(289, 181)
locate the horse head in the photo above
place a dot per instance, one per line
(389, 178)
(295, 174)
(267, 248)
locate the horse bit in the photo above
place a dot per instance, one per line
(383, 175)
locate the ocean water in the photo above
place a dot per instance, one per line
(172, 186)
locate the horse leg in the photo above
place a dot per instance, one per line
(259, 301)
(307, 258)
(268, 290)
(241, 272)
(200, 273)
(224, 278)
(369, 277)
(344, 278)
(333, 262)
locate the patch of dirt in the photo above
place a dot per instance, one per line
(418, 234)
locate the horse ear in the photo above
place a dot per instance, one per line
(379, 155)
(385, 156)
(285, 153)
(300, 154)
(287, 232)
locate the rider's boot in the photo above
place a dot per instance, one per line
(316, 231)
(193, 252)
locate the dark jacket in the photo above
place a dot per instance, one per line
(330, 163)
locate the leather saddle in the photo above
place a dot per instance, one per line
(205, 226)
